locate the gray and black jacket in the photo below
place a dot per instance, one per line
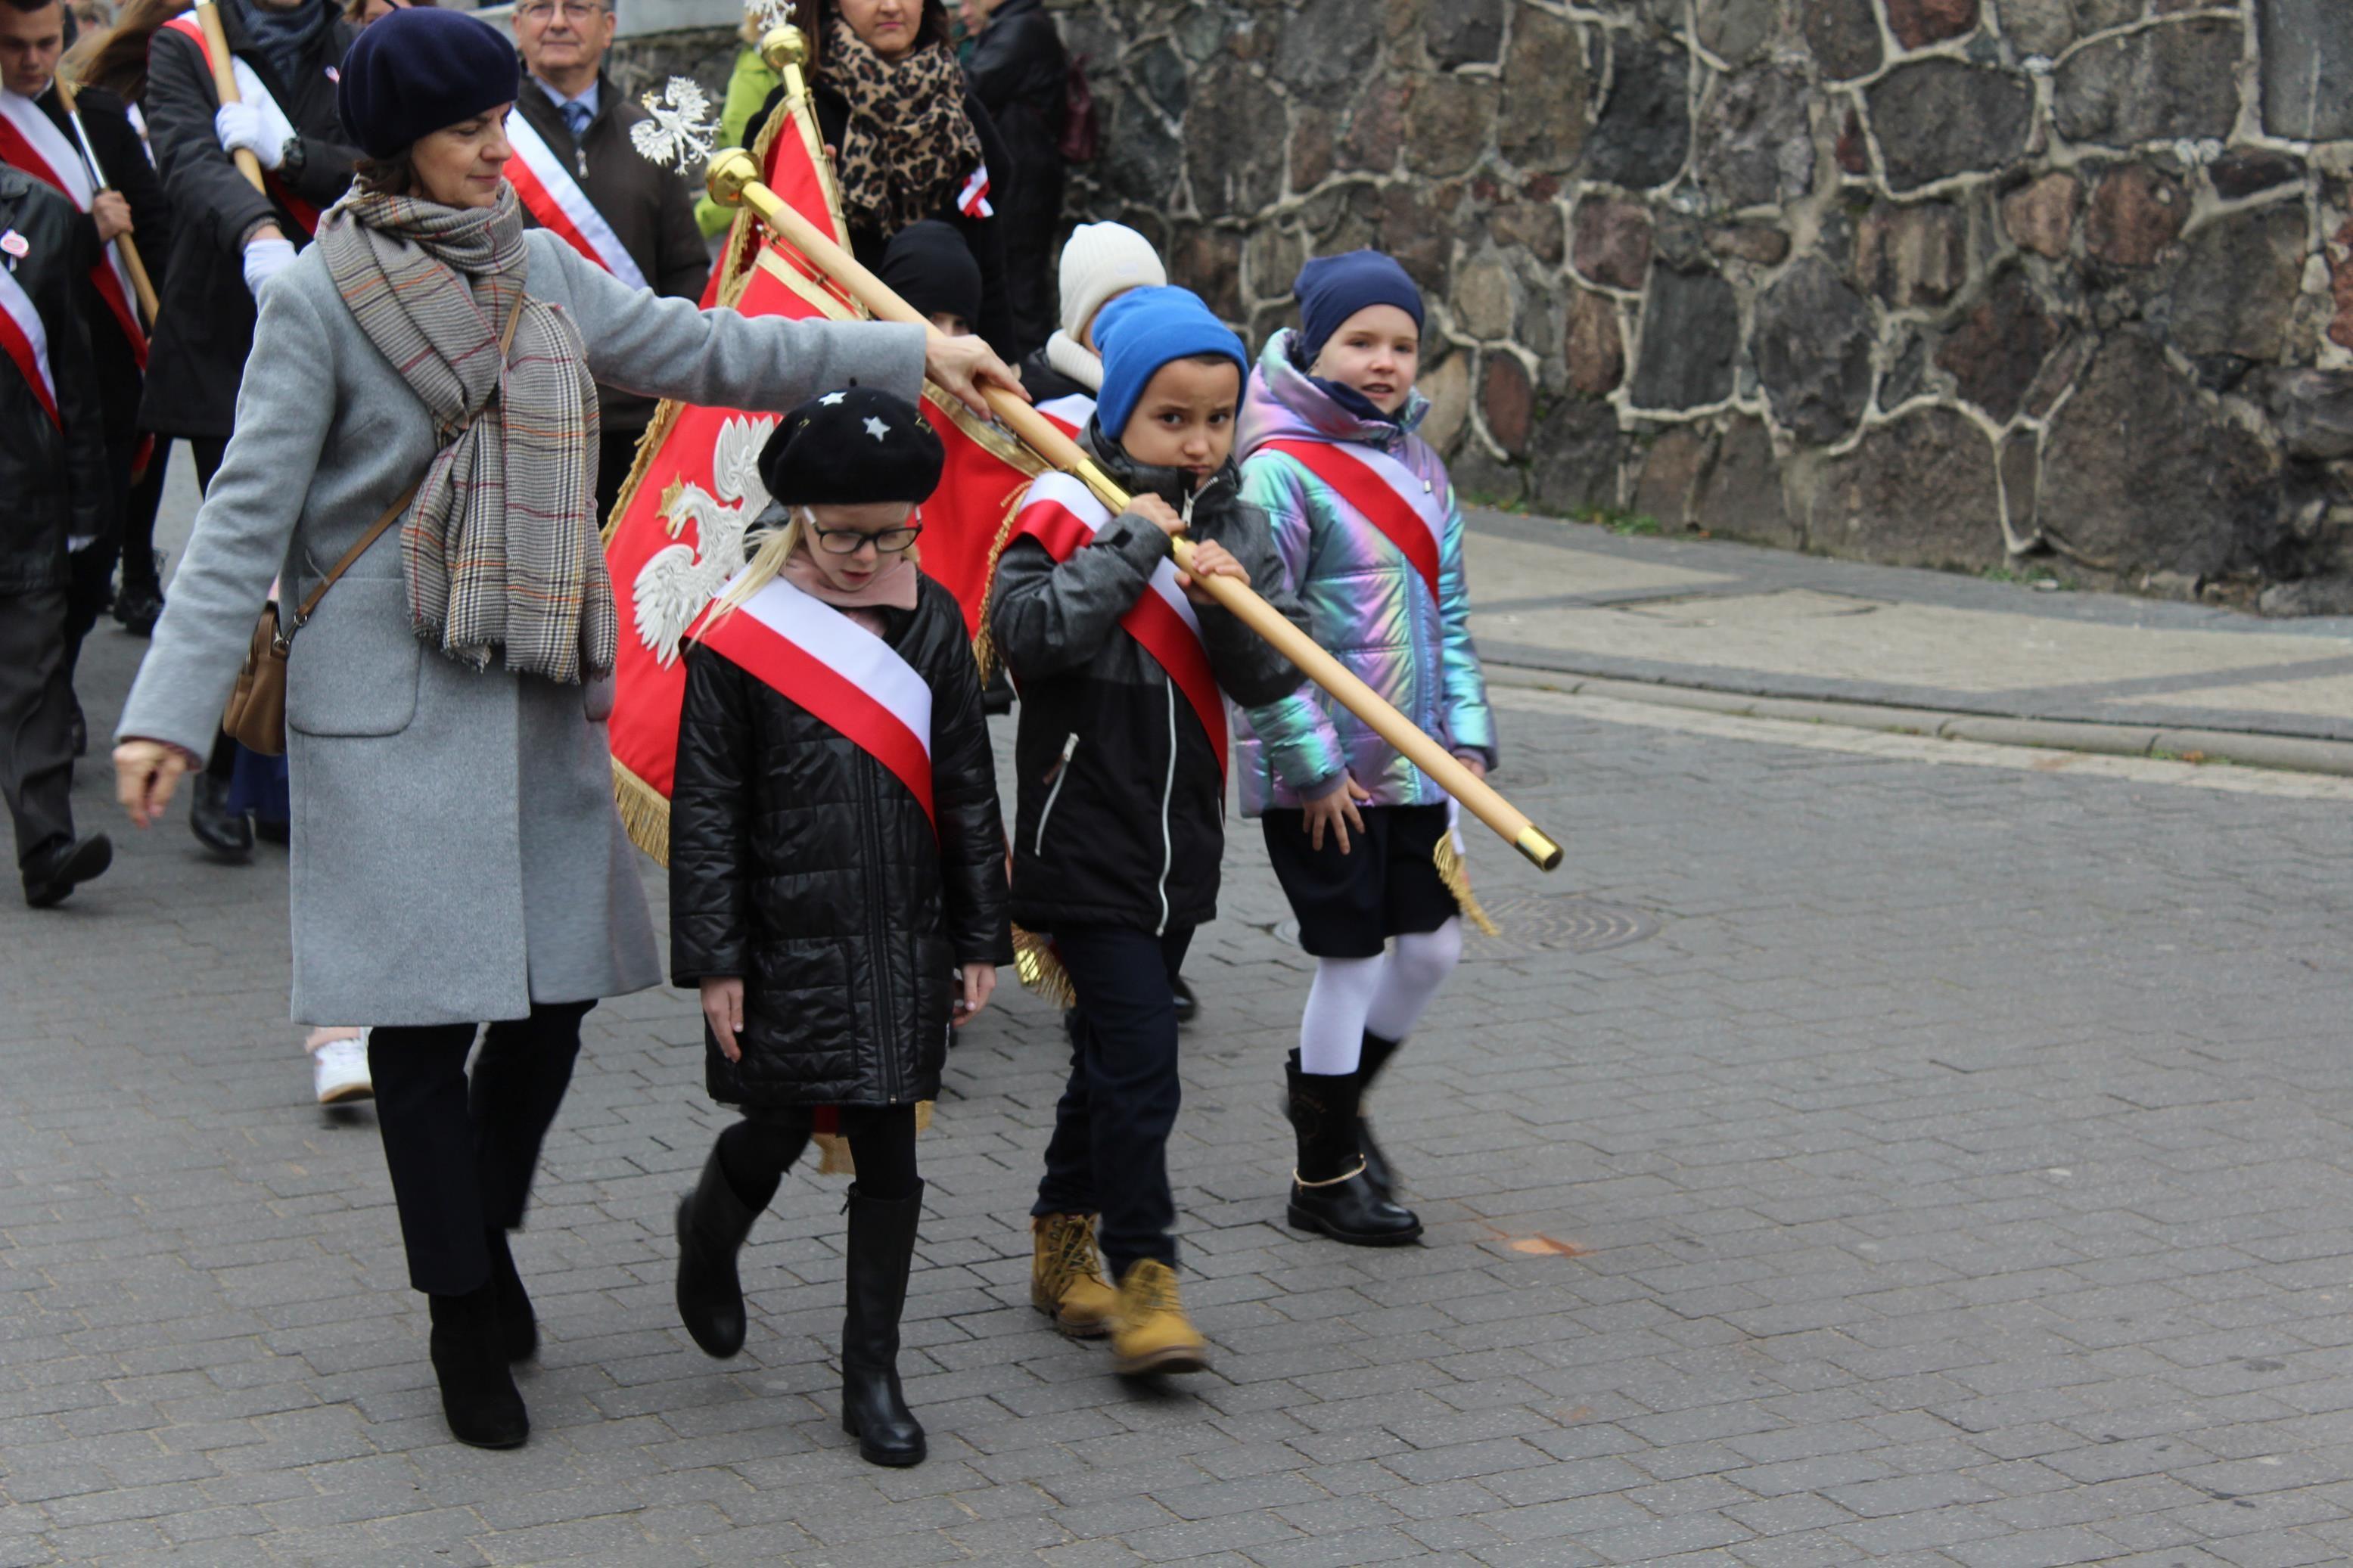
(1120, 816)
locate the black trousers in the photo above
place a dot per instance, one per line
(462, 1155)
(89, 593)
(1109, 1154)
(139, 519)
(37, 713)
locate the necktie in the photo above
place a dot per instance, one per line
(576, 116)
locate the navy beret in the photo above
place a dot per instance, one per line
(421, 71)
(852, 447)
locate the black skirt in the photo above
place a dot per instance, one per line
(1386, 884)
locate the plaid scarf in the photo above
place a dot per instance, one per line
(909, 146)
(500, 548)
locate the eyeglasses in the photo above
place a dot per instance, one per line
(572, 10)
(849, 541)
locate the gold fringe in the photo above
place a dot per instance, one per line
(644, 814)
(833, 1150)
(1456, 875)
(1041, 971)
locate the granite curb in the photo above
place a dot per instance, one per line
(2292, 753)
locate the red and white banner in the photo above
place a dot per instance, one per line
(27, 342)
(1070, 413)
(972, 200)
(251, 89)
(1064, 516)
(30, 140)
(840, 673)
(1386, 493)
(558, 204)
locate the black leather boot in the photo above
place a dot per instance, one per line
(712, 1221)
(478, 1397)
(1373, 1055)
(881, 1248)
(1329, 1192)
(228, 834)
(55, 873)
(518, 1325)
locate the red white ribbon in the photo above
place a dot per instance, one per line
(972, 200)
(1064, 516)
(842, 674)
(27, 342)
(559, 204)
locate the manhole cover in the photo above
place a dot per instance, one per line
(1532, 924)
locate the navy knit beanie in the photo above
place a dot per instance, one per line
(1331, 289)
(421, 71)
(1142, 331)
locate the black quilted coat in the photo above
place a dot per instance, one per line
(803, 865)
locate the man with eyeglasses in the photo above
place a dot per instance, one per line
(579, 176)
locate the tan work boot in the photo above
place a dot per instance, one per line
(1066, 1280)
(1151, 1334)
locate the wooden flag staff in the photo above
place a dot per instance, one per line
(225, 81)
(124, 246)
(733, 178)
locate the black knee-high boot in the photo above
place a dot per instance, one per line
(1371, 1059)
(478, 1397)
(881, 1249)
(1330, 1192)
(712, 1221)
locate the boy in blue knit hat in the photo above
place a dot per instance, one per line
(1124, 664)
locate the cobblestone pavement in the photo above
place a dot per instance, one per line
(1952, 1170)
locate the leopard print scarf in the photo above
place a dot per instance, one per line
(909, 146)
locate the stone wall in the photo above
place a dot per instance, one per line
(1948, 282)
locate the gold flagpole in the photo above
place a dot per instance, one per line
(734, 179)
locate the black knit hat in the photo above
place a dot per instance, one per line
(421, 71)
(928, 265)
(852, 447)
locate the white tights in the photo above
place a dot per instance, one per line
(1385, 995)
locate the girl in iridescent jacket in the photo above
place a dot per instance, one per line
(1366, 526)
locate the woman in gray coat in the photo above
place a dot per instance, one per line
(456, 854)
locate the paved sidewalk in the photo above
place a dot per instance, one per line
(1741, 619)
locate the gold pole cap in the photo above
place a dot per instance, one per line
(729, 171)
(1538, 848)
(785, 47)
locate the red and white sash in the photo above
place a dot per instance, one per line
(30, 140)
(28, 343)
(1070, 413)
(251, 90)
(558, 203)
(1064, 516)
(1390, 495)
(842, 674)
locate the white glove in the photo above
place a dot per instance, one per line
(265, 259)
(239, 125)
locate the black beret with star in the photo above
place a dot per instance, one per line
(851, 448)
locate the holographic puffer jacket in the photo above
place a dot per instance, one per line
(1366, 606)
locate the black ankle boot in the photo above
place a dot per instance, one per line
(478, 1397)
(1370, 1059)
(881, 1248)
(712, 1221)
(1330, 1192)
(518, 1326)
(228, 834)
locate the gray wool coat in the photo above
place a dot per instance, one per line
(456, 852)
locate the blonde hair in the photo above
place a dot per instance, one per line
(770, 548)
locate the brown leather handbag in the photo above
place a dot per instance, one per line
(256, 715)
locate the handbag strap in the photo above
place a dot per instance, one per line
(309, 607)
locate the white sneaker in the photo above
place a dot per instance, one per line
(342, 1071)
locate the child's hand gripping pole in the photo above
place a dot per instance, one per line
(735, 177)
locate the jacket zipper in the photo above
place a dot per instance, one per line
(878, 969)
(1167, 792)
(1061, 774)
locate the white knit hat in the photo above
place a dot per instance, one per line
(1101, 260)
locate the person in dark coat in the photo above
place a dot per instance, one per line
(573, 107)
(928, 265)
(1021, 72)
(838, 923)
(128, 201)
(910, 139)
(53, 469)
(230, 240)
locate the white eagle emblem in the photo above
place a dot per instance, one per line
(675, 583)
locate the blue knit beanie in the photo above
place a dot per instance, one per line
(1331, 289)
(421, 71)
(1142, 331)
